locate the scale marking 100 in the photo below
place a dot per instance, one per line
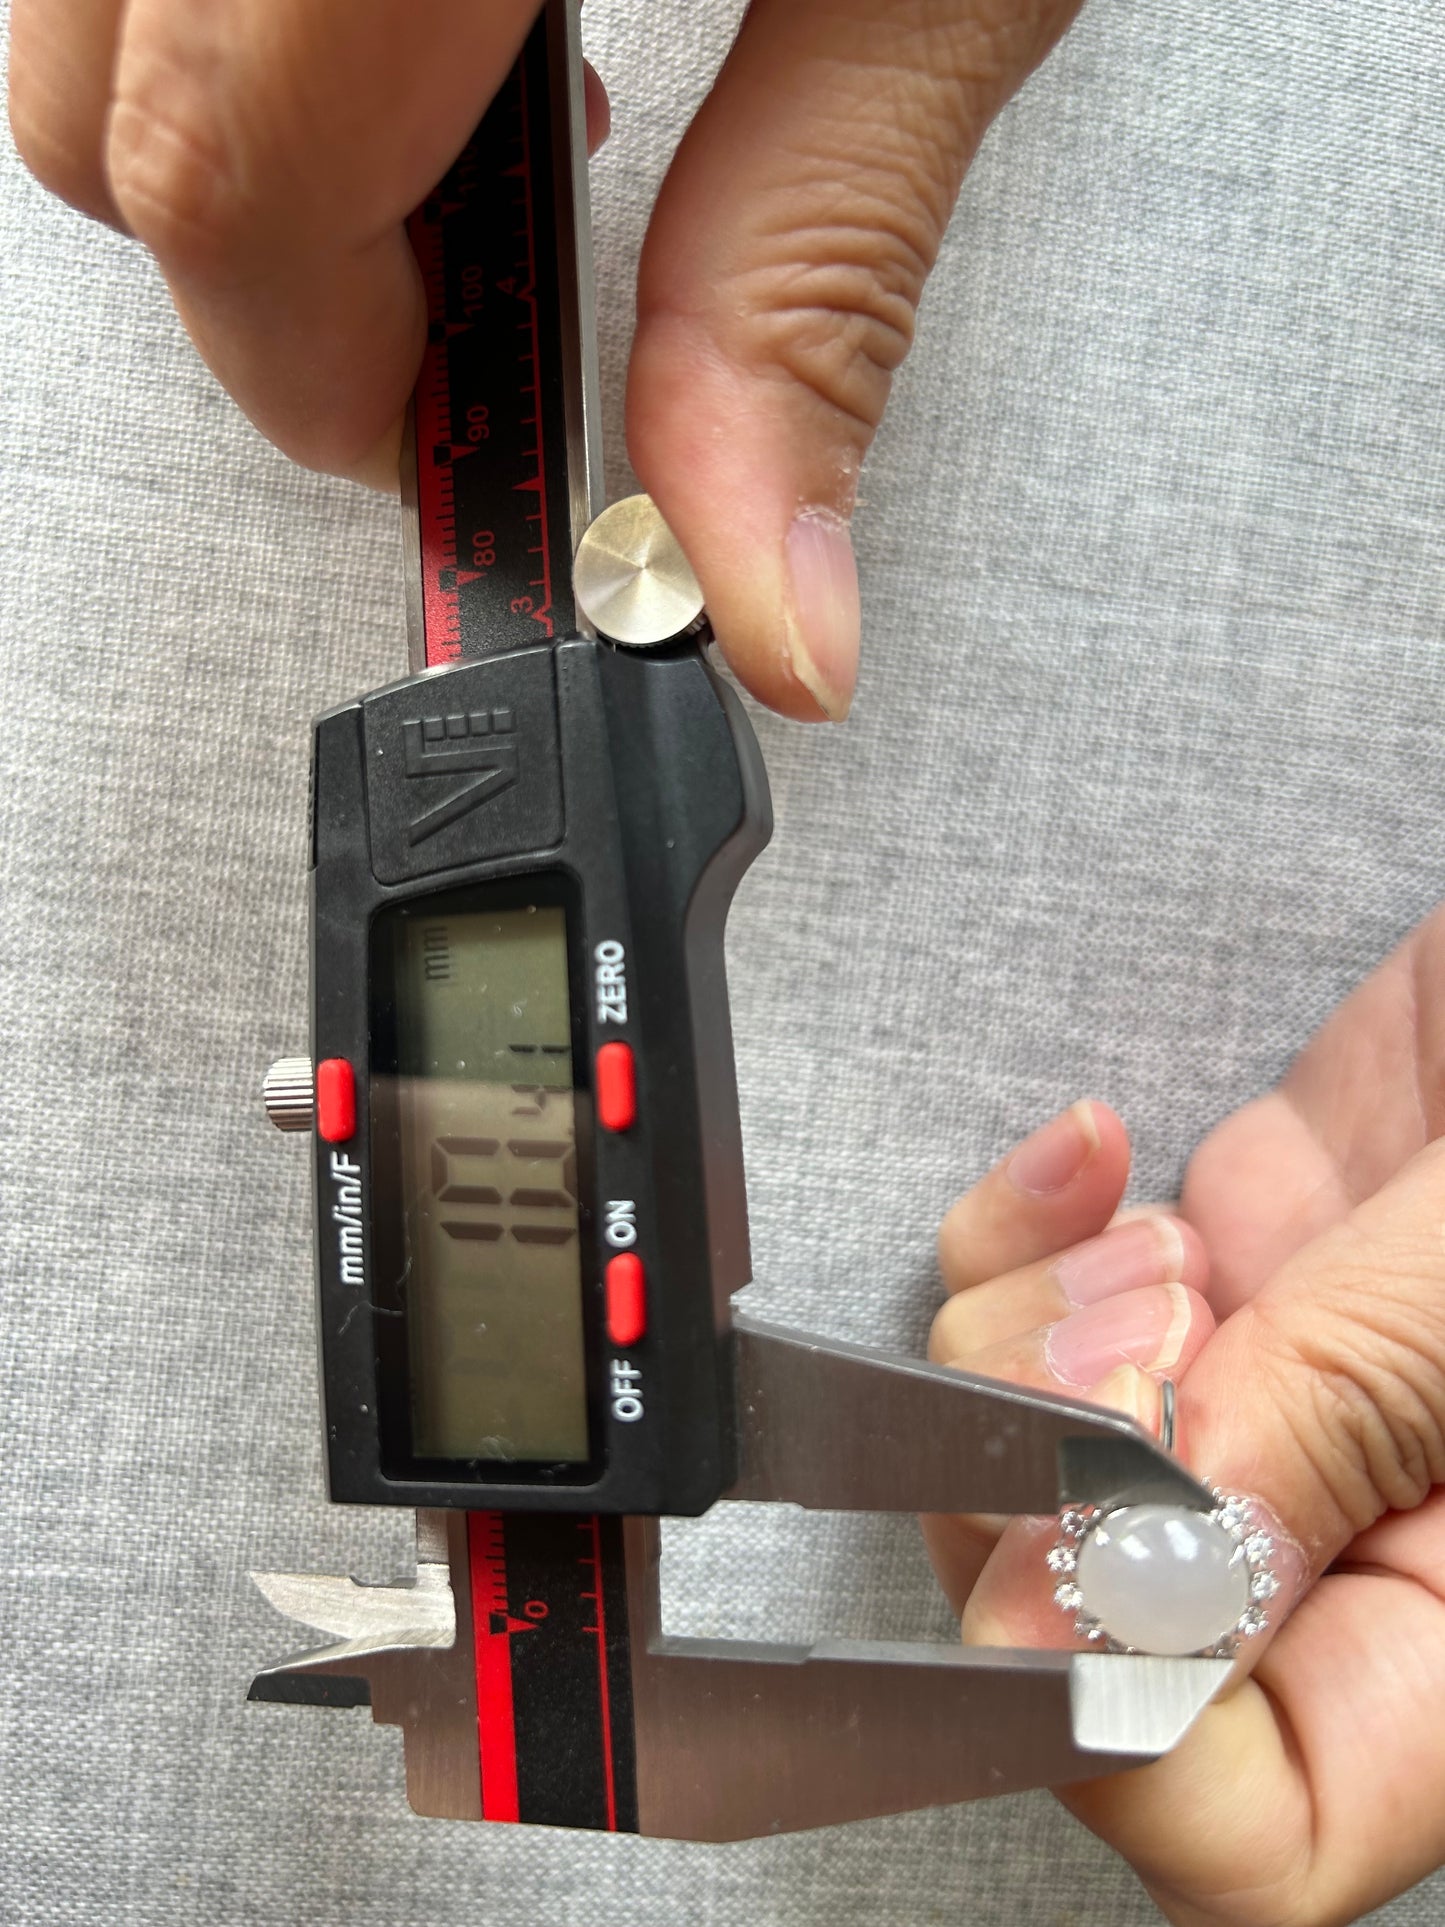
(529, 1201)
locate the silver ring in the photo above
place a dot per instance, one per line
(1166, 1414)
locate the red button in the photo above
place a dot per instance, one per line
(336, 1100)
(616, 1087)
(626, 1299)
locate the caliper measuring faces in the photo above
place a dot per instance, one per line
(528, 1186)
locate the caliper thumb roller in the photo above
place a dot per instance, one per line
(530, 1221)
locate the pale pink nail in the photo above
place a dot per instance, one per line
(1146, 1328)
(1148, 1252)
(825, 620)
(1055, 1155)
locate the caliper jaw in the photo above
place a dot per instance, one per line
(737, 1739)
(405, 1651)
(728, 1739)
(846, 1428)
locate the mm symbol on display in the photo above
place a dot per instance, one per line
(460, 745)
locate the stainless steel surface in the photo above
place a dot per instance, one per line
(412, 1645)
(289, 1094)
(411, 545)
(582, 382)
(844, 1428)
(736, 1740)
(1130, 1703)
(1168, 1408)
(631, 578)
(366, 1619)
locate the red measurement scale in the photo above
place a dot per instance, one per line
(493, 534)
(549, 1636)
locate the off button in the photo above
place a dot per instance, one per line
(626, 1299)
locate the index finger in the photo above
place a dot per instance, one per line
(268, 156)
(1060, 1185)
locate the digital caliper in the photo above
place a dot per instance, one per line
(528, 1186)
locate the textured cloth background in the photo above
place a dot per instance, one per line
(1144, 773)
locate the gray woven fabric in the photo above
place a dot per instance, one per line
(1144, 773)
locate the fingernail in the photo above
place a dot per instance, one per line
(1055, 1155)
(1148, 1252)
(1132, 1392)
(380, 466)
(825, 621)
(1146, 1328)
(598, 106)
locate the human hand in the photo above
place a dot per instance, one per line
(267, 152)
(1312, 1227)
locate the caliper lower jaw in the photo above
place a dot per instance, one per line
(405, 1651)
(738, 1739)
(735, 1739)
(729, 1739)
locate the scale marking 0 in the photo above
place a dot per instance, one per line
(553, 1673)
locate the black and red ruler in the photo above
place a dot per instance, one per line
(494, 543)
(553, 1670)
(493, 523)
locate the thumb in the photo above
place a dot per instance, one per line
(1325, 1396)
(777, 293)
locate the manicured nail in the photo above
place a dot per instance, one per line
(1055, 1155)
(1149, 1251)
(825, 621)
(1146, 1328)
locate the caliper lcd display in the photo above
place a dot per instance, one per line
(483, 1121)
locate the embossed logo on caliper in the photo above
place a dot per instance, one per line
(460, 745)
